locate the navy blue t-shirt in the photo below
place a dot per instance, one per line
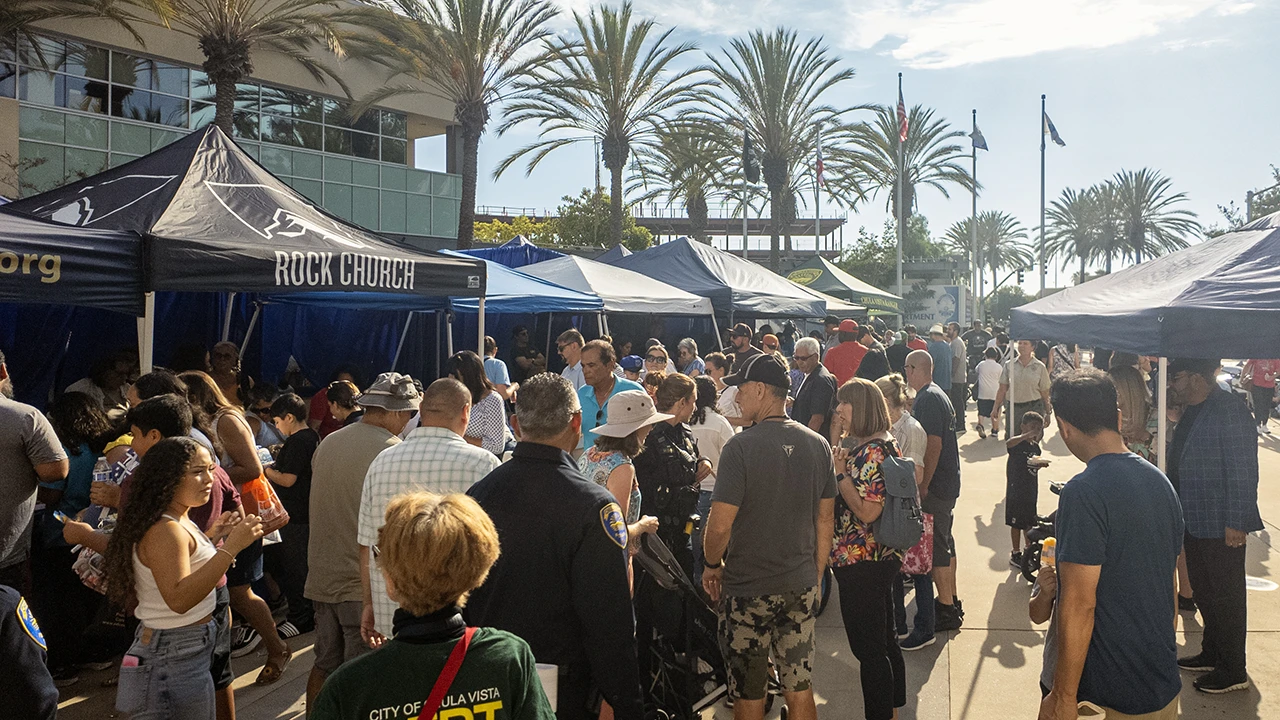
(1121, 513)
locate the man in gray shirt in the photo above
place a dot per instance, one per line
(30, 454)
(767, 542)
(959, 392)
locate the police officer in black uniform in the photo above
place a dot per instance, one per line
(561, 581)
(26, 688)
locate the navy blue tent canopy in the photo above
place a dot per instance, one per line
(48, 263)
(1220, 298)
(733, 284)
(516, 252)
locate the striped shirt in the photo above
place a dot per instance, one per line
(433, 459)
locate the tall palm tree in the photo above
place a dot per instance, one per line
(1001, 243)
(20, 16)
(1108, 233)
(1151, 225)
(618, 85)
(474, 52)
(230, 31)
(685, 166)
(772, 86)
(1072, 224)
(931, 155)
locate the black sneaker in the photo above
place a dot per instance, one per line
(1186, 604)
(64, 676)
(289, 630)
(948, 617)
(1219, 682)
(245, 642)
(1197, 663)
(959, 606)
(917, 641)
(1015, 560)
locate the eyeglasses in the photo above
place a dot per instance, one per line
(770, 347)
(599, 416)
(909, 366)
(265, 410)
(376, 552)
(803, 358)
(656, 358)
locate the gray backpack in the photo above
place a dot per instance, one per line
(901, 523)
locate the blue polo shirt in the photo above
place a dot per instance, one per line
(593, 415)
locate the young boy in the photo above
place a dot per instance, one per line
(1021, 482)
(631, 366)
(988, 385)
(291, 474)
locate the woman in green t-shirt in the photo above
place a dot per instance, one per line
(433, 551)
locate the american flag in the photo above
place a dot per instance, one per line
(902, 117)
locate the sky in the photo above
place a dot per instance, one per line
(1183, 86)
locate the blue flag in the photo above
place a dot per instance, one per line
(1052, 131)
(979, 141)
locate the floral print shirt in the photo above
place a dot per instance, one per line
(854, 541)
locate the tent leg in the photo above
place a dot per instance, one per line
(606, 325)
(480, 324)
(253, 322)
(400, 346)
(599, 324)
(147, 334)
(226, 320)
(448, 332)
(550, 317)
(719, 338)
(1162, 407)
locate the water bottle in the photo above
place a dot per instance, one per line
(102, 470)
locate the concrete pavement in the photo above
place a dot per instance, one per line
(989, 669)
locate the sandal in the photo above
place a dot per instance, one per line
(274, 669)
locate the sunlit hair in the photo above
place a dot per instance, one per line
(435, 549)
(895, 390)
(674, 388)
(869, 413)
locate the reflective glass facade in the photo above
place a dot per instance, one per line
(85, 108)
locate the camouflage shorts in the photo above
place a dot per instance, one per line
(751, 628)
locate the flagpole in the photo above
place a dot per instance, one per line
(1043, 132)
(902, 225)
(744, 189)
(973, 219)
(817, 196)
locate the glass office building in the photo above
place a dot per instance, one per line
(84, 108)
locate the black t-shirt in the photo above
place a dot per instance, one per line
(1017, 472)
(817, 396)
(933, 409)
(519, 374)
(295, 459)
(874, 366)
(897, 356)
(1179, 442)
(740, 358)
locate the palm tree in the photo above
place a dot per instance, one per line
(1072, 227)
(617, 85)
(1151, 226)
(473, 52)
(772, 86)
(1001, 243)
(230, 31)
(21, 16)
(931, 156)
(685, 166)
(1108, 235)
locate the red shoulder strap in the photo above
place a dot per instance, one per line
(447, 675)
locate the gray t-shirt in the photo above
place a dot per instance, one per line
(775, 473)
(26, 440)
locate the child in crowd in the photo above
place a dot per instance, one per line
(631, 366)
(1021, 482)
(988, 385)
(652, 381)
(291, 474)
(433, 551)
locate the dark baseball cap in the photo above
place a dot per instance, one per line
(765, 368)
(741, 330)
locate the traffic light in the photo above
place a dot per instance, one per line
(1021, 275)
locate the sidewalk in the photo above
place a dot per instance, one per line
(989, 669)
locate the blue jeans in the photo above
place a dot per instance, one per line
(704, 508)
(925, 619)
(171, 680)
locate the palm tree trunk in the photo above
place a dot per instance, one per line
(1080, 278)
(225, 104)
(775, 232)
(697, 209)
(471, 131)
(615, 205)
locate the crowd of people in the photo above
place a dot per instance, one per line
(163, 523)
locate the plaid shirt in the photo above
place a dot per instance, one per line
(433, 459)
(1218, 469)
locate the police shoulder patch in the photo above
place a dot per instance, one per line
(615, 526)
(29, 624)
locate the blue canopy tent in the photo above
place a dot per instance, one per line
(734, 286)
(516, 252)
(1219, 298)
(613, 253)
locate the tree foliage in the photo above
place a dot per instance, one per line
(539, 233)
(1000, 304)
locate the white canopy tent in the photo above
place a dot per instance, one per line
(623, 291)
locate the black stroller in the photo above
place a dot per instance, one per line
(680, 662)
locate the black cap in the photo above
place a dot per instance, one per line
(741, 330)
(1195, 366)
(764, 368)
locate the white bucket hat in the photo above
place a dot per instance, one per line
(629, 411)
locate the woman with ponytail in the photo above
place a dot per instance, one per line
(160, 559)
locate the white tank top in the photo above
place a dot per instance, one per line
(152, 610)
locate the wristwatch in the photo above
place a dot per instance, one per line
(709, 566)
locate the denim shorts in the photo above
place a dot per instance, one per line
(171, 676)
(247, 568)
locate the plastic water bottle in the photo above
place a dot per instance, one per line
(1049, 552)
(102, 470)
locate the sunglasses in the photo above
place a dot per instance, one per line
(265, 410)
(803, 358)
(656, 358)
(771, 347)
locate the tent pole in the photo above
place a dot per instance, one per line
(226, 320)
(448, 331)
(607, 331)
(599, 323)
(253, 322)
(400, 345)
(1162, 407)
(550, 317)
(716, 327)
(147, 334)
(480, 323)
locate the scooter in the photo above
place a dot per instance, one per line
(1046, 528)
